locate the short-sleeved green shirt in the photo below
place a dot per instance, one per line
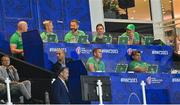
(71, 38)
(98, 66)
(44, 36)
(134, 64)
(17, 40)
(136, 37)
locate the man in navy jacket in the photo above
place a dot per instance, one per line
(59, 90)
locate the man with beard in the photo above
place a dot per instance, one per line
(73, 35)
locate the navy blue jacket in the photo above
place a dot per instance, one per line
(59, 94)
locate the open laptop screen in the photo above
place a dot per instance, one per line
(83, 39)
(51, 38)
(123, 40)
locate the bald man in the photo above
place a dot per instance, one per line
(62, 61)
(16, 44)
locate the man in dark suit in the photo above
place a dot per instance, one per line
(59, 90)
(62, 61)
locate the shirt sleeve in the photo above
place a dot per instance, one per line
(13, 40)
(67, 37)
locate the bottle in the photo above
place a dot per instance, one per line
(47, 101)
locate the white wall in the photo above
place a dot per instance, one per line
(156, 18)
(96, 13)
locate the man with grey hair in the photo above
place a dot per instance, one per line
(16, 44)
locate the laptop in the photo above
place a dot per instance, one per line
(153, 68)
(123, 39)
(83, 39)
(107, 39)
(121, 68)
(147, 40)
(51, 38)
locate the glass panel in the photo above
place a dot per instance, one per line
(127, 9)
(141, 11)
(176, 11)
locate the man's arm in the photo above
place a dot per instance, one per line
(141, 69)
(91, 67)
(15, 73)
(2, 77)
(14, 49)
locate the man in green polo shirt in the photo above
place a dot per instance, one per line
(16, 44)
(100, 37)
(134, 37)
(137, 65)
(95, 64)
(48, 35)
(73, 35)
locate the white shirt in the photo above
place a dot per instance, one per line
(64, 84)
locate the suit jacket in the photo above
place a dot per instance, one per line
(12, 72)
(4, 75)
(59, 94)
(58, 65)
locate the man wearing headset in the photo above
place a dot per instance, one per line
(73, 35)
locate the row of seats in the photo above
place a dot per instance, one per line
(146, 40)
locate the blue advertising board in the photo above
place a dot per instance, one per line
(126, 88)
(113, 54)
